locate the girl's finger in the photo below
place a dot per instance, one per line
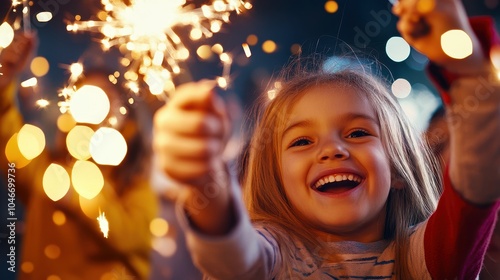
(192, 123)
(179, 147)
(194, 96)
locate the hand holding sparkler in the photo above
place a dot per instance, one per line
(432, 25)
(190, 134)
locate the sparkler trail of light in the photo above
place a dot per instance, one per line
(103, 224)
(144, 31)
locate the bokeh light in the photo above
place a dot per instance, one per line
(217, 48)
(87, 179)
(204, 52)
(456, 44)
(76, 70)
(108, 147)
(52, 251)
(58, 217)
(426, 6)
(397, 49)
(39, 66)
(91, 207)
(158, 227)
(31, 141)
(252, 40)
(78, 142)
(56, 182)
(401, 88)
(13, 153)
(6, 35)
(89, 104)
(495, 56)
(296, 49)
(27, 267)
(31, 82)
(331, 6)
(165, 246)
(65, 122)
(269, 46)
(44, 16)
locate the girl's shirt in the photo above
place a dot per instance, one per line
(450, 245)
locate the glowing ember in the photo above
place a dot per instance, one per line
(103, 224)
(246, 49)
(145, 30)
(42, 103)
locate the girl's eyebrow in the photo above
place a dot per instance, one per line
(348, 117)
(353, 116)
(298, 124)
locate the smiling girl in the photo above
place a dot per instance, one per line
(338, 184)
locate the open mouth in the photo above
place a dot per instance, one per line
(337, 183)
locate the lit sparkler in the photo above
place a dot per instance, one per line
(103, 224)
(144, 31)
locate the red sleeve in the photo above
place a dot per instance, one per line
(457, 236)
(484, 28)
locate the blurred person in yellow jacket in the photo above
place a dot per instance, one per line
(62, 239)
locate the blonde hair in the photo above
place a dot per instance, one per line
(411, 162)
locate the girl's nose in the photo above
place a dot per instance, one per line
(333, 149)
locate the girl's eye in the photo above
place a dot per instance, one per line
(300, 142)
(358, 133)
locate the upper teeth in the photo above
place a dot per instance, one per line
(337, 178)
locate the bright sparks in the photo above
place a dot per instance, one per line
(103, 224)
(145, 30)
(42, 103)
(247, 50)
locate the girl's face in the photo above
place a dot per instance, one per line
(335, 171)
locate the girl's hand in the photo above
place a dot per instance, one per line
(190, 133)
(422, 22)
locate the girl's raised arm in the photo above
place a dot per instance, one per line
(473, 103)
(457, 234)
